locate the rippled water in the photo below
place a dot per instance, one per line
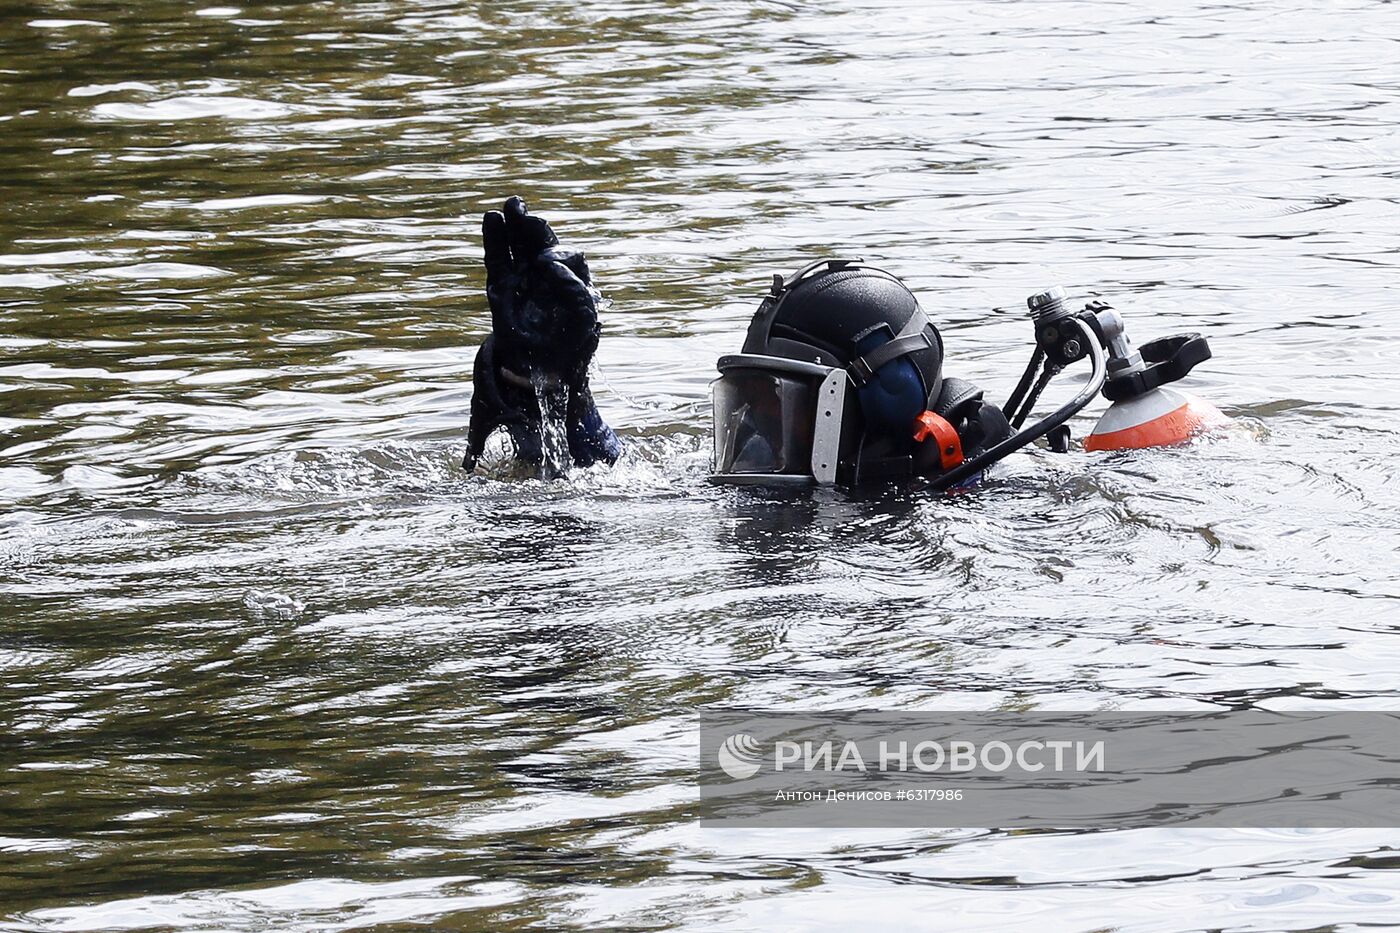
(271, 661)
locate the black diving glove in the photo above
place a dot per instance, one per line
(544, 331)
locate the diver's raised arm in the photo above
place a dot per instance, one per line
(533, 368)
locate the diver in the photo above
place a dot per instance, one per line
(839, 380)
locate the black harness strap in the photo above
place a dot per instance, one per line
(912, 338)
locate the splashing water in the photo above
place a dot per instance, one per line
(553, 400)
(598, 374)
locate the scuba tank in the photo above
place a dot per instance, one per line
(1144, 412)
(1159, 417)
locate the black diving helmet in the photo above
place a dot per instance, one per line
(840, 381)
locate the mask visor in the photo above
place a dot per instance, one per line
(765, 413)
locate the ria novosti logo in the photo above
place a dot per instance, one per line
(740, 756)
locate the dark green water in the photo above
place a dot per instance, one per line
(269, 660)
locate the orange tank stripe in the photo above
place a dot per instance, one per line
(1174, 427)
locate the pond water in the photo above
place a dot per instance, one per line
(272, 661)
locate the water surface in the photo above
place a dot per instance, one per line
(271, 661)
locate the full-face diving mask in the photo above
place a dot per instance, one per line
(779, 420)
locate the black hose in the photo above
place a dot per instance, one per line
(1044, 426)
(1050, 373)
(1013, 403)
